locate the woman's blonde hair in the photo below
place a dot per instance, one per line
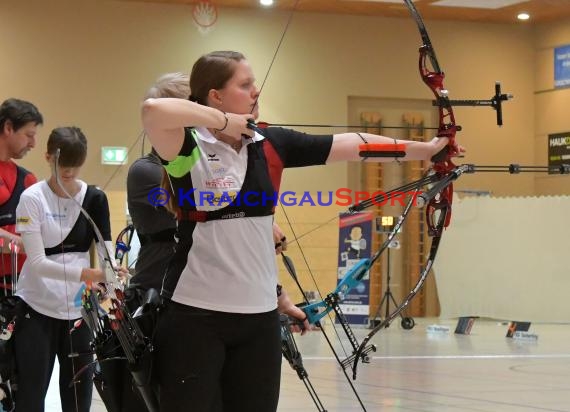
(175, 85)
(170, 85)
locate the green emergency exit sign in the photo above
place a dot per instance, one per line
(113, 155)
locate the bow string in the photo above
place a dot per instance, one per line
(287, 339)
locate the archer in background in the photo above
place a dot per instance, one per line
(19, 122)
(220, 327)
(57, 238)
(154, 224)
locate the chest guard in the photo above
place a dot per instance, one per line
(82, 234)
(257, 196)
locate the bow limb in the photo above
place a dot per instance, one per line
(317, 310)
(291, 269)
(439, 198)
(438, 210)
(433, 78)
(438, 214)
(442, 217)
(131, 339)
(293, 356)
(90, 307)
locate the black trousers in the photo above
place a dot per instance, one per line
(132, 400)
(208, 361)
(38, 340)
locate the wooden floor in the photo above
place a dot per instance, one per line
(417, 371)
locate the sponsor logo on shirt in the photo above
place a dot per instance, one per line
(226, 182)
(55, 216)
(213, 157)
(236, 215)
(22, 220)
(217, 199)
(218, 170)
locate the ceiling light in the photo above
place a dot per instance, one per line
(523, 16)
(477, 4)
(266, 2)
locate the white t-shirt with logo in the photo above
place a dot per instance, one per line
(214, 258)
(231, 265)
(57, 291)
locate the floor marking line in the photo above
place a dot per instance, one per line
(405, 357)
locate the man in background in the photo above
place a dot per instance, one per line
(19, 122)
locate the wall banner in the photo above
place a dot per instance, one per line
(558, 150)
(355, 241)
(562, 66)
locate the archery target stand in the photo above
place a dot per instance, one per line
(407, 322)
(205, 15)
